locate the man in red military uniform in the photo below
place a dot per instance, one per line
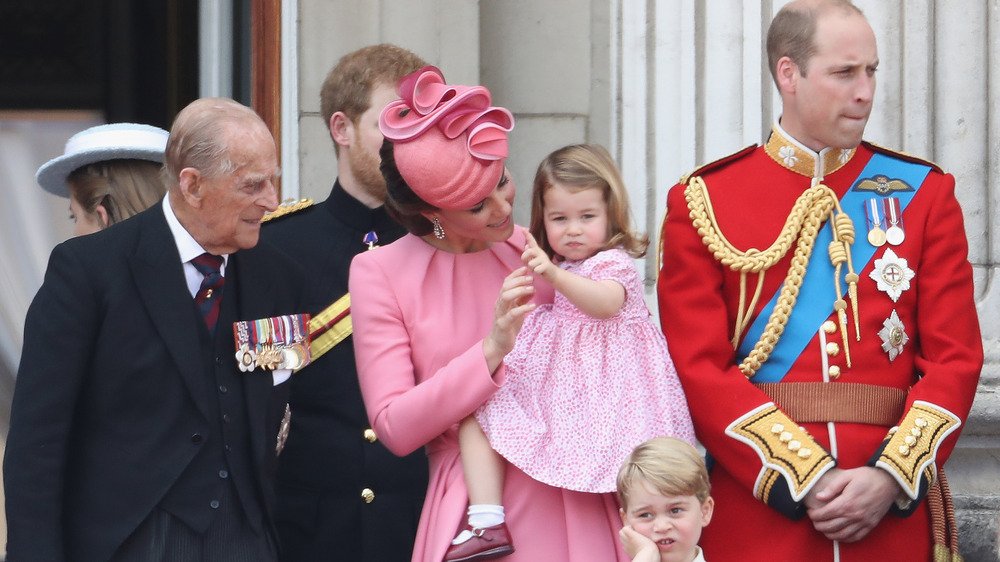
(818, 302)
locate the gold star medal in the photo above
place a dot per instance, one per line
(893, 335)
(892, 274)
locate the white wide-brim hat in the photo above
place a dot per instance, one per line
(117, 141)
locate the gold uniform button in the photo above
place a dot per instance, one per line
(834, 372)
(833, 349)
(920, 422)
(904, 450)
(370, 435)
(916, 432)
(368, 495)
(804, 453)
(785, 436)
(910, 440)
(777, 428)
(829, 326)
(794, 446)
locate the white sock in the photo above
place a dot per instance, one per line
(481, 516)
(485, 515)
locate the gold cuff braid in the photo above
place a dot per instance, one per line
(785, 449)
(912, 447)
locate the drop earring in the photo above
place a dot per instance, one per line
(438, 229)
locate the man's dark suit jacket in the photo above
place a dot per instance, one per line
(112, 399)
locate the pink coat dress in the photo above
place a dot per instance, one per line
(420, 316)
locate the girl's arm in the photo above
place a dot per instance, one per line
(597, 299)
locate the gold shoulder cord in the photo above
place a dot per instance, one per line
(287, 207)
(808, 214)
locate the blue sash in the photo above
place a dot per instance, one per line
(815, 302)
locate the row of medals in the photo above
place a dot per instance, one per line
(884, 211)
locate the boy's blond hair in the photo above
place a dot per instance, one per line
(669, 465)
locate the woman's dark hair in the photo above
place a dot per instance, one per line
(402, 204)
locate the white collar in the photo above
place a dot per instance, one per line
(187, 246)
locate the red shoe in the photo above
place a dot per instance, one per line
(485, 544)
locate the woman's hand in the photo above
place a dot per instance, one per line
(537, 260)
(512, 305)
(639, 547)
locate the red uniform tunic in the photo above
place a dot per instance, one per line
(765, 461)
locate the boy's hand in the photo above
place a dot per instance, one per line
(536, 260)
(640, 547)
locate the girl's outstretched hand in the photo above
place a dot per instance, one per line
(511, 307)
(536, 259)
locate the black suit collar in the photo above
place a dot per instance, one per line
(356, 215)
(159, 280)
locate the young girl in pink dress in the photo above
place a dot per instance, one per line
(589, 377)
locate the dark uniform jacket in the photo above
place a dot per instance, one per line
(341, 494)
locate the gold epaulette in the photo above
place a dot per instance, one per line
(719, 162)
(287, 207)
(903, 156)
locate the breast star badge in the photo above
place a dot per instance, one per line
(892, 274)
(893, 335)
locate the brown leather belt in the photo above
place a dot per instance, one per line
(838, 402)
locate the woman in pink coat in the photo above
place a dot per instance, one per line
(430, 331)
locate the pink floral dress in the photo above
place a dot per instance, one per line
(581, 393)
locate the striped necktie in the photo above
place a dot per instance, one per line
(209, 296)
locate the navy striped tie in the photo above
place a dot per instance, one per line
(209, 295)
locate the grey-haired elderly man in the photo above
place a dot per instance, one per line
(135, 434)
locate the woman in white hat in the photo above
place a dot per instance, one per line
(108, 172)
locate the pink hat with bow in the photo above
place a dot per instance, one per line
(448, 141)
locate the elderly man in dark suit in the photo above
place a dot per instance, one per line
(134, 434)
